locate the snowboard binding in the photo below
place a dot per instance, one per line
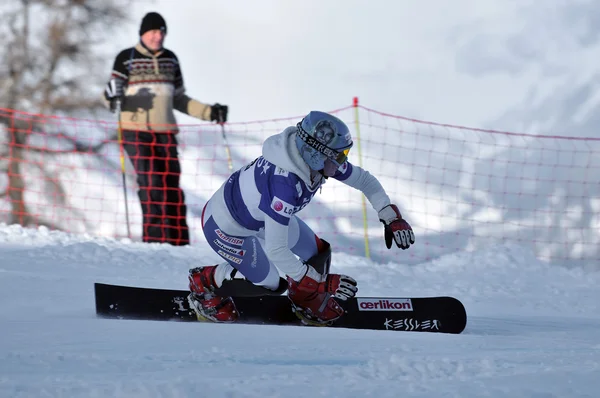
(309, 319)
(204, 302)
(209, 314)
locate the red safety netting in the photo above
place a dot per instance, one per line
(461, 188)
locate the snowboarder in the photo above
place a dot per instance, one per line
(250, 222)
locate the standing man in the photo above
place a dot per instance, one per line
(147, 82)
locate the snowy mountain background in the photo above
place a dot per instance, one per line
(523, 65)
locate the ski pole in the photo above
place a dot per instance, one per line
(227, 151)
(122, 155)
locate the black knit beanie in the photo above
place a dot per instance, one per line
(153, 20)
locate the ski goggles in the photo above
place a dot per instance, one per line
(337, 156)
(342, 156)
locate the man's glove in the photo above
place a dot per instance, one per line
(113, 92)
(396, 227)
(218, 113)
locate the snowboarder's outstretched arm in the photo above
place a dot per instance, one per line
(395, 226)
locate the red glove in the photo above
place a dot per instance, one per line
(395, 227)
(316, 298)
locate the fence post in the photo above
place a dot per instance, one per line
(363, 199)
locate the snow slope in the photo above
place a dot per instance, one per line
(532, 331)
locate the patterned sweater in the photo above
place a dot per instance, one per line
(154, 87)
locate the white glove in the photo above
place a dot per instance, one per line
(113, 89)
(113, 92)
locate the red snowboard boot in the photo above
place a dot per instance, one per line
(314, 296)
(204, 302)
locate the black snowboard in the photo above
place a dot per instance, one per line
(422, 314)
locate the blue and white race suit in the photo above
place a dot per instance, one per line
(251, 220)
